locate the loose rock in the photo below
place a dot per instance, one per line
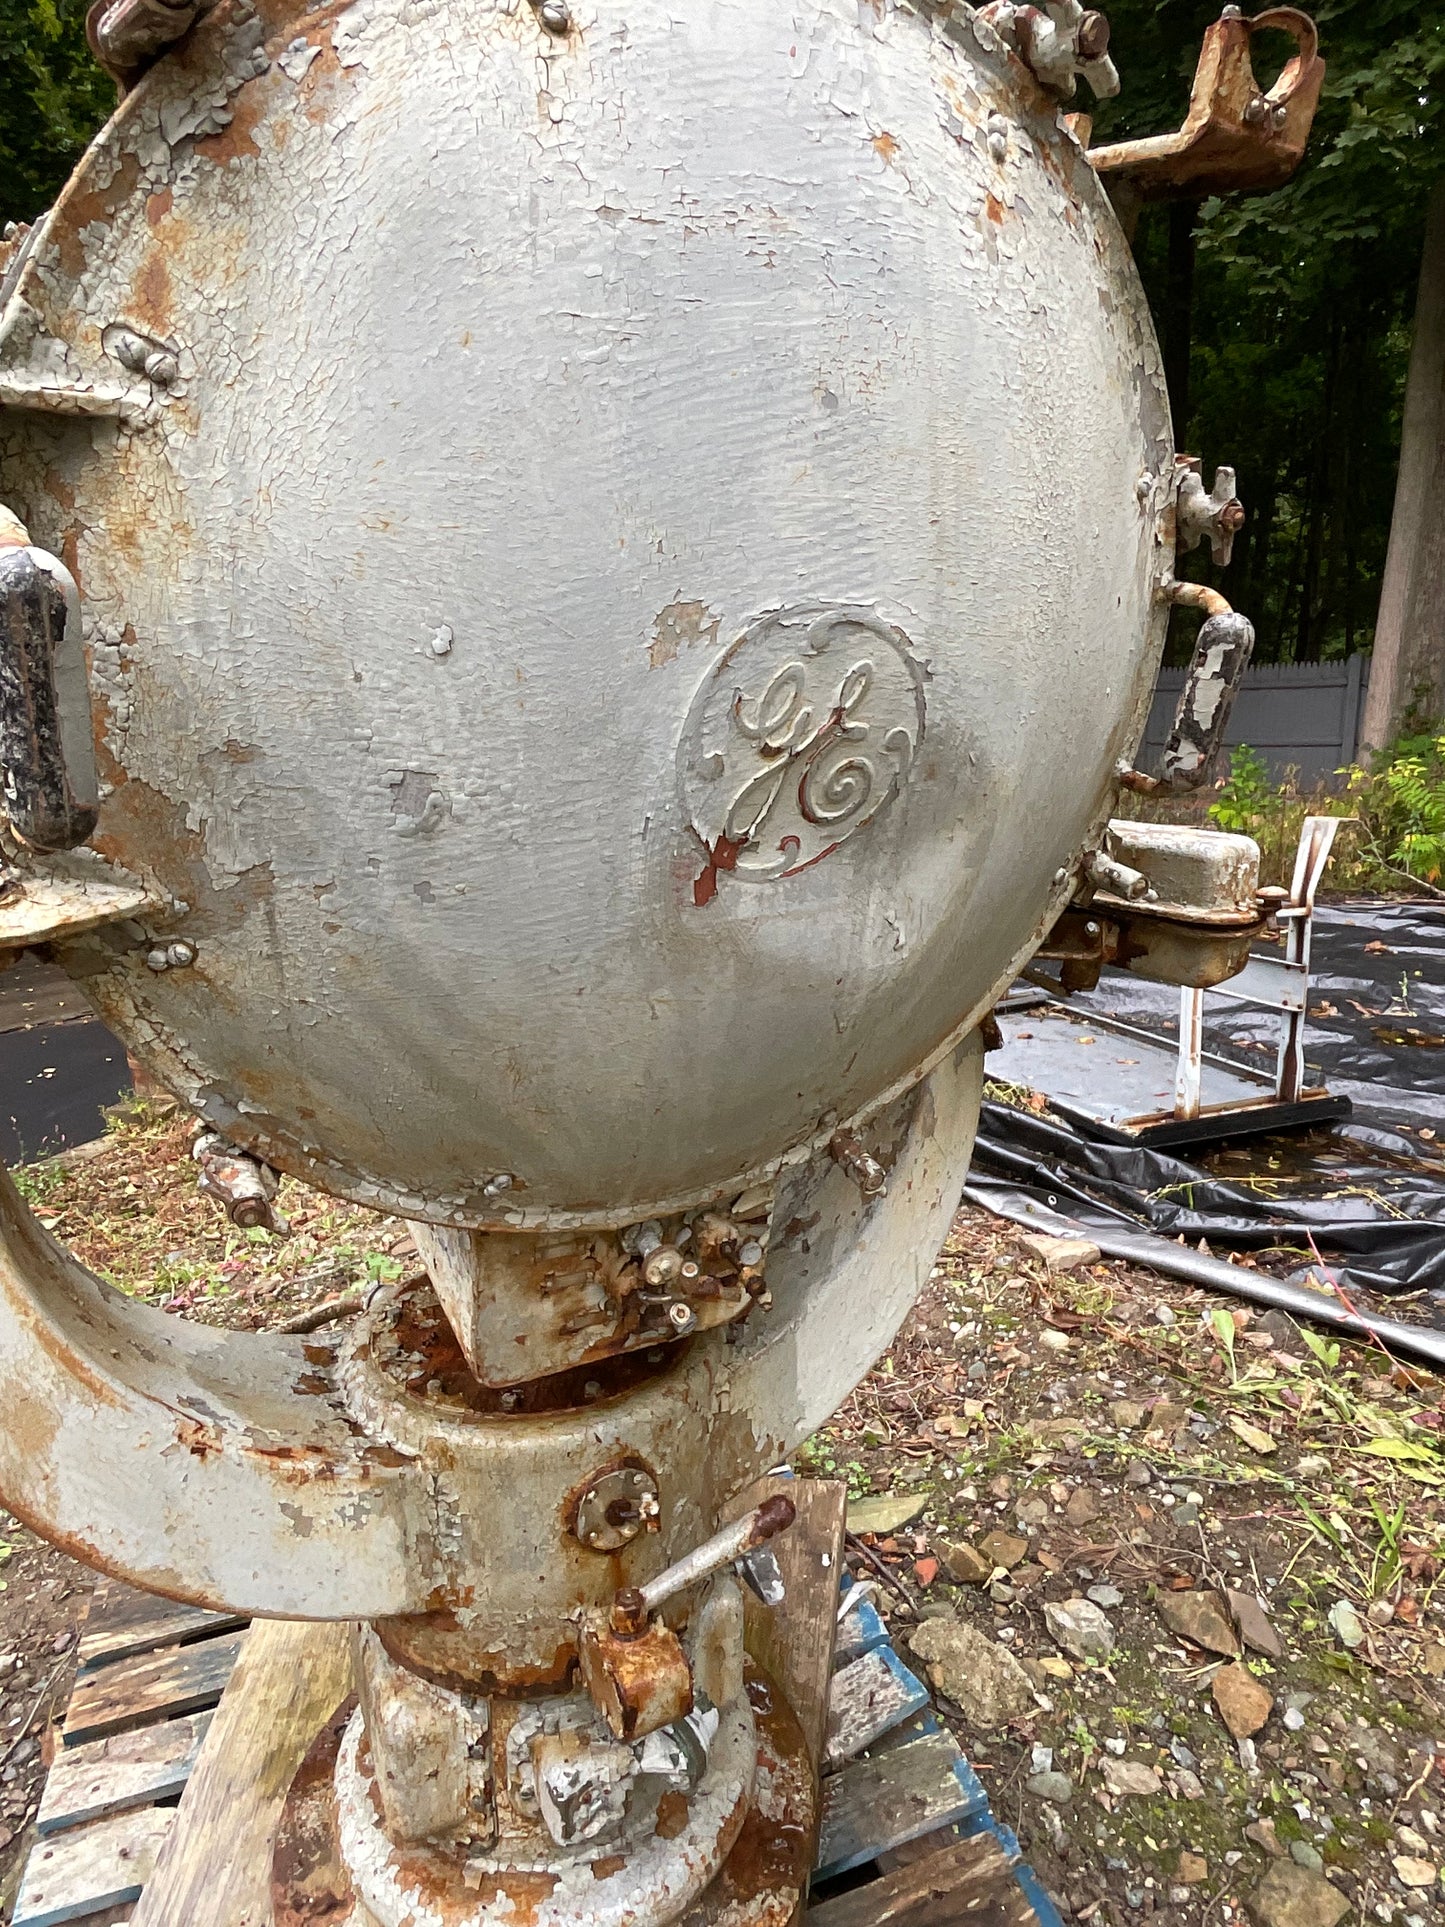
(1192, 1868)
(1292, 1896)
(1254, 1625)
(973, 1671)
(885, 1512)
(1412, 1872)
(1002, 1548)
(1129, 1777)
(965, 1564)
(1244, 1704)
(1347, 1625)
(1262, 1833)
(1055, 1787)
(1201, 1617)
(1080, 1627)
(1062, 1254)
(1083, 1507)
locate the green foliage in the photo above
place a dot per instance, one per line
(1396, 806)
(1247, 793)
(53, 98)
(1401, 803)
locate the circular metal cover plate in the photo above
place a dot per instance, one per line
(625, 581)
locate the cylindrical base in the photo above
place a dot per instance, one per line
(754, 1874)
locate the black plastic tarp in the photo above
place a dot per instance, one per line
(1370, 1194)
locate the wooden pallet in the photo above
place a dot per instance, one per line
(150, 1671)
(906, 1837)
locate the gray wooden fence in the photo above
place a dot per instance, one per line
(1303, 716)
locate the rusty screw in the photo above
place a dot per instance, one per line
(1093, 41)
(628, 1618)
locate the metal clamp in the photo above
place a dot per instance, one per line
(1057, 41)
(51, 792)
(1235, 138)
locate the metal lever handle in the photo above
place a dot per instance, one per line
(1221, 655)
(47, 750)
(634, 1605)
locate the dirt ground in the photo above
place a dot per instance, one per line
(1163, 1470)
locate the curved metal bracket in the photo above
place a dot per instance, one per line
(1236, 138)
(229, 1468)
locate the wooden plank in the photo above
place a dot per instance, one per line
(793, 1643)
(969, 1880)
(873, 1804)
(152, 1687)
(860, 1630)
(123, 1621)
(113, 1775)
(215, 1870)
(867, 1700)
(73, 1876)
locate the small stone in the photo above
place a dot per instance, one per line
(885, 1512)
(1127, 1778)
(1062, 1254)
(976, 1673)
(1293, 1896)
(1192, 1868)
(1346, 1624)
(1106, 1596)
(965, 1564)
(1055, 1787)
(1381, 1612)
(1244, 1704)
(1179, 1896)
(1137, 1473)
(1411, 1841)
(1080, 1628)
(1412, 1872)
(1033, 1512)
(1313, 1467)
(1187, 1785)
(1187, 1515)
(1262, 1833)
(1254, 1625)
(1164, 1315)
(1054, 1341)
(1083, 1506)
(1304, 1855)
(1202, 1617)
(1001, 1548)
(1294, 1719)
(1127, 1414)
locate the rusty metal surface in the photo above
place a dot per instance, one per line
(757, 1886)
(1236, 137)
(639, 1681)
(443, 880)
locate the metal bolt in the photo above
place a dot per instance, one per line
(1091, 929)
(1256, 111)
(555, 15)
(680, 1316)
(690, 1269)
(1061, 876)
(162, 368)
(181, 955)
(158, 959)
(592, 1389)
(511, 1401)
(751, 1253)
(1141, 488)
(1093, 40)
(664, 1266)
(494, 1187)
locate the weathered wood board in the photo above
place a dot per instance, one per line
(150, 1687)
(967, 1881)
(123, 1622)
(74, 1875)
(215, 1870)
(907, 1791)
(867, 1699)
(125, 1770)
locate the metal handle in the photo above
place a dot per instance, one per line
(47, 749)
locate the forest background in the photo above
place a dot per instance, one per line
(1285, 318)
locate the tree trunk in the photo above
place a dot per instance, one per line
(1407, 676)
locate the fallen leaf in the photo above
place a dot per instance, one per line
(885, 1512)
(1253, 1437)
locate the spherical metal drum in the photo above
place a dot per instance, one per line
(618, 564)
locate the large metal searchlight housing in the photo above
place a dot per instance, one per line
(578, 586)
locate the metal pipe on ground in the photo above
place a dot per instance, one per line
(1415, 1342)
